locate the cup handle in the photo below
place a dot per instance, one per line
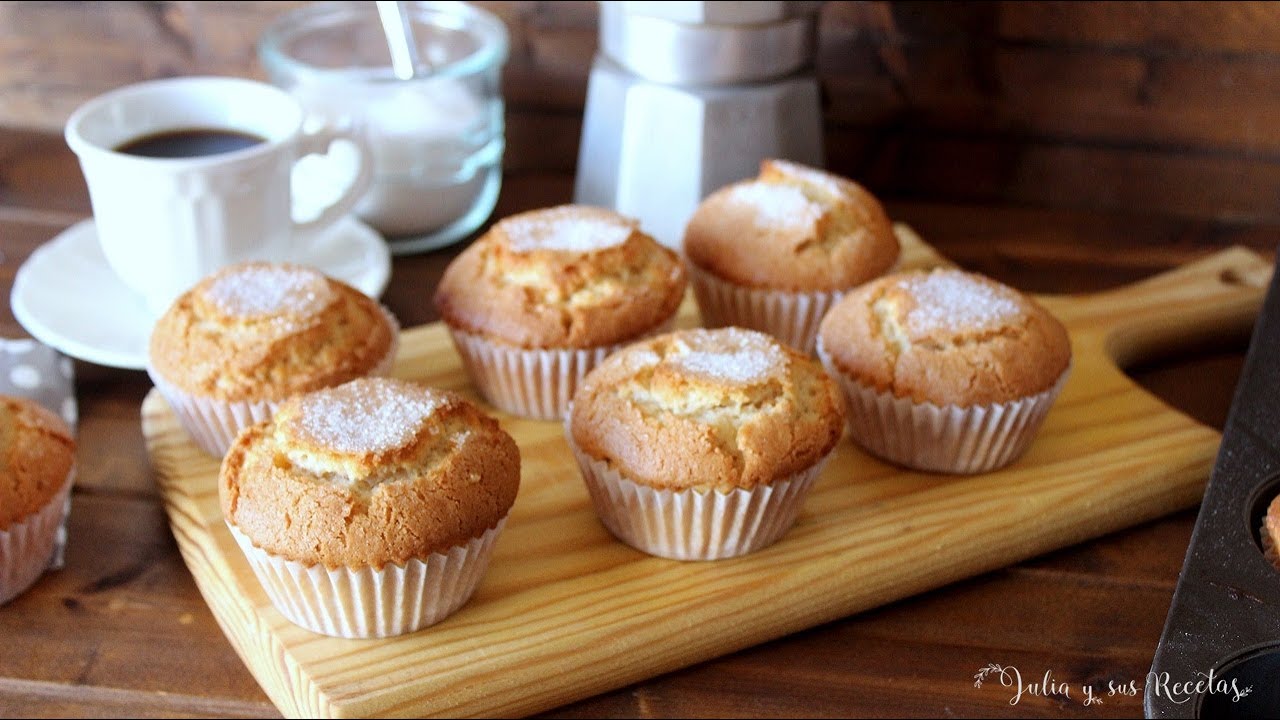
(318, 142)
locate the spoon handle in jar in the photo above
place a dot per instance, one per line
(400, 41)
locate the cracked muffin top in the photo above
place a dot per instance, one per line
(946, 337)
(792, 228)
(37, 453)
(707, 409)
(260, 330)
(371, 472)
(571, 276)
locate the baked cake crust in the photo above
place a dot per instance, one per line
(37, 452)
(374, 471)
(265, 331)
(708, 409)
(570, 276)
(946, 337)
(792, 228)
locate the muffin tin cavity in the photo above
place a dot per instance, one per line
(1259, 501)
(1244, 687)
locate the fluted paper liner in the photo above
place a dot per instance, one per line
(693, 525)
(213, 424)
(27, 547)
(948, 438)
(792, 317)
(367, 602)
(531, 383)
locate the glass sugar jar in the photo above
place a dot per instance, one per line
(437, 138)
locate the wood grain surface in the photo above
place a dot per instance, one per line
(1061, 147)
(566, 611)
(1099, 105)
(123, 631)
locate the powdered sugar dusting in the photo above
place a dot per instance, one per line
(729, 355)
(370, 415)
(954, 301)
(810, 176)
(566, 229)
(776, 206)
(640, 358)
(260, 290)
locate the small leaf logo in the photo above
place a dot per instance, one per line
(984, 672)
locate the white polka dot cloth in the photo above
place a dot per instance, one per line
(34, 370)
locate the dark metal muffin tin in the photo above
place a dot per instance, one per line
(1224, 622)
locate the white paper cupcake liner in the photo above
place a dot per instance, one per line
(29, 547)
(945, 439)
(792, 317)
(693, 525)
(213, 424)
(367, 602)
(531, 383)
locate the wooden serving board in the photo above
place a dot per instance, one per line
(566, 611)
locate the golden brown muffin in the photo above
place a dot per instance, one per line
(265, 331)
(946, 337)
(372, 472)
(792, 228)
(707, 410)
(564, 277)
(37, 454)
(944, 371)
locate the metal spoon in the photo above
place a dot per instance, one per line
(400, 41)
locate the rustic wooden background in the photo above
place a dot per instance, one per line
(1149, 107)
(1057, 146)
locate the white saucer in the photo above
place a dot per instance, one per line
(67, 296)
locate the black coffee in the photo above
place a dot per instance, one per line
(187, 143)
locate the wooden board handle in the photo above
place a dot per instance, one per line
(1212, 300)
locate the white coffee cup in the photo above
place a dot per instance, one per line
(164, 223)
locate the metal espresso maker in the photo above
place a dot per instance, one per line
(687, 97)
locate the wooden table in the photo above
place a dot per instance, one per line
(123, 631)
